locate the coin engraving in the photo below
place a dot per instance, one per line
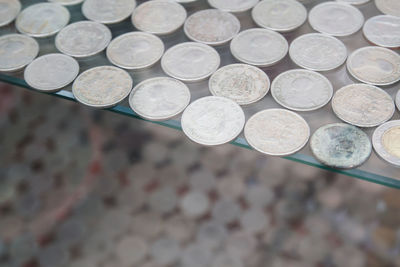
(386, 142)
(383, 30)
(233, 5)
(108, 11)
(9, 10)
(389, 7)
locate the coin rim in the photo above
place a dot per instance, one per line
(398, 100)
(371, 20)
(213, 4)
(84, 12)
(380, 7)
(19, 6)
(378, 146)
(355, 4)
(75, 2)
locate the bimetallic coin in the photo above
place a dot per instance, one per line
(386, 142)
(340, 145)
(190, 62)
(398, 100)
(235, 6)
(102, 87)
(42, 20)
(374, 65)
(241, 83)
(212, 27)
(281, 16)
(213, 120)
(383, 30)
(108, 11)
(277, 132)
(66, 2)
(363, 105)
(51, 72)
(354, 2)
(83, 39)
(9, 10)
(388, 7)
(301, 90)
(318, 52)
(259, 47)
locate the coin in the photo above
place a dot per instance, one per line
(163, 201)
(254, 220)
(301, 90)
(374, 65)
(212, 27)
(226, 260)
(102, 87)
(165, 251)
(233, 5)
(398, 100)
(383, 30)
(277, 132)
(17, 51)
(211, 234)
(195, 255)
(386, 142)
(340, 145)
(202, 180)
(195, 204)
(388, 7)
(318, 52)
(259, 47)
(9, 10)
(108, 11)
(354, 2)
(241, 244)
(226, 211)
(42, 20)
(363, 105)
(67, 2)
(335, 18)
(190, 61)
(281, 16)
(213, 120)
(259, 196)
(83, 39)
(131, 250)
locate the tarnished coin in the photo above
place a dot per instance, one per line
(383, 30)
(213, 120)
(135, 50)
(354, 2)
(108, 11)
(190, 62)
(212, 27)
(340, 145)
(398, 100)
(386, 142)
(259, 47)
(242, 83)
(51, 72)
(67, 2)
(102, 87)
(318, 52)
(42, 20)
(17, 51)
(301, 90)
(363, 105)
(388, 7)
(159, 98)
(277, 132)
(374, 65)
(9, 10)
(235, 6)
(278, 15)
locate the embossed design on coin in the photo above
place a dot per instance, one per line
(398, 100)
(354, 2)
(374, 65)
(67, 2)
(102, 87)
(108, 11)
(9, 10)
(386, 142)
(213, 120)
(233, 5)
(389, 7)
(383, 30)
(241, 83)
(277, 132)
(340, 145)
(212, 27)
(301, 90)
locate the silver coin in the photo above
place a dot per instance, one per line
(340, 145)
(254, 221)
(17, 51)
(398, 100)
(163, 201)
(335, 18)
(211, 234)
(195, 255)
(190, 62)
(241, 244)
(226, 260)
(102, 87)
(135, 50)
(165, 251)
(388, 7)
(131, 250)
(108, 11)
(259, 47)
(195, 204)
(301, 90)
(66, 2)
(212, 27)
(278, 15)
(83, 39)
(202, 180)
(277, 132)
(374, 65)
(226, 211)
(318, 52)
(386, 142)
(9, 10)
(42, 20)
(383, 30)
(354, 2)
(235, 6)
(363, 105)
(259, 196)
(213, 120)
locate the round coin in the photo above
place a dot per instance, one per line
(363, 105)
(383, 30)
(241, 83)
(83, 39)
(259, 47)
(102, 87)
(281, 16)
(108, 11)
(277, 132)
(213, 120)
(340, 145)
(386, 142)
(374, 65)
(301, 90)
(190, 62)
(318, 52)
(195, 204)
(42, 20)
(135, 50)
(66, 2)
(9, 10)
(398, 100)
(235, 6)
(212, 27)
(354, 2)
(388, 7)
